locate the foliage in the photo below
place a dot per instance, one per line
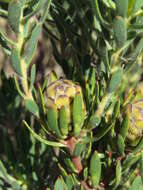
(98, 44)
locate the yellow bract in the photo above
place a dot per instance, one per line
(61, 93)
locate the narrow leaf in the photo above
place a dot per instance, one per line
(63, 121)
(14, 14)
(18, 88)
(77, 114)
(70, 165)
(137, 5)
(42, 140)
(32, 43)
(3, 172)
(52, 122)
(95, 169)
(136, 52)
(121, 7)
(78, 149)
(115, 80)
(124, 126)
(32, 106)
(137, 184)
(32, 76)
(118, 173)
(120, 31)
(116, 110)
(15, 60)
(42, 100)
(60, 184)
(120, 144)
(141, 165)
(69, 182)
(129, 161)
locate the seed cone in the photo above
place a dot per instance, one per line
(61, 98)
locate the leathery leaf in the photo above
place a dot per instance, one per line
(120, 144)
(14, 14)
(52, 122)
(32, 106)
(124, 126)
(78, 149)
(122, 7)
(118, 173)
(60, 184)
(120, 31)
(15, 60)
(95, 169)
(77, 114)
(137, 184)
(63, 121)
(32, 43)
(115, 80)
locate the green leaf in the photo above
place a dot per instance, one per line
(18, 88)
(137, 50)
(110, 4)
(60, 184)
(63, 121)
(139, 146)
(116, 110)
(137, 5)
(26, 29)
(5, 40)
(137, 184)
(94, 122)
(120, 31)
(62, 169)
(115, 80)
(32, 76)
(121, 7)
(69, 182)
(3, 172)
(85, 173)
(52, 122)
(15, 60)
(14, 183)
(70, 165)
(102, 132)
(97, 12)
(42, 100)
(120, 144)
(32, 44)
(141, 165)
(124, 126)
(129, 161)
(78, 117)
(95, 169)
(46, 10)
(42, 140)
(42, 104)
(78, 149)
(92, 81)
(32, 106)
(4, 44)
(118, 173)
(14, 14)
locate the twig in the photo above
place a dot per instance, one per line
(71, 143)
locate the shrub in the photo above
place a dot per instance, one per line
(82, 127)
